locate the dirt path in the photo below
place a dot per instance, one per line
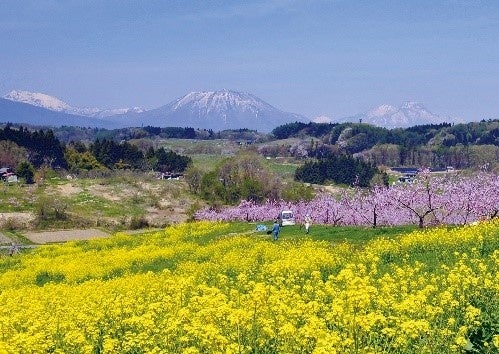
(66, 235)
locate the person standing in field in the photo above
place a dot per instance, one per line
(13, 249)
(275, 230)
(308, 220)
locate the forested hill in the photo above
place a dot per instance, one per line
(474, 133)
(437, 145)
(41, 148)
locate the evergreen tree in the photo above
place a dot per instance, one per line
(26, 171)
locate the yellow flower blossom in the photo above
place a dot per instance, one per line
(193, 288)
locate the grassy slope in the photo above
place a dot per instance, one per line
(108, 202)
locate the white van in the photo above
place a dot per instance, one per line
(287, 217)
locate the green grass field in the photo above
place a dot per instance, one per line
(354, 235)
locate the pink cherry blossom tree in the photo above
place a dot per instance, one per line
(451, 199)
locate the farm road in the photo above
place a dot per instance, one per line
(66, 235)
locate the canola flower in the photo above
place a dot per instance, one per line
(187, 290)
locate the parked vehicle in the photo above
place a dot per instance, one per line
(286, 217)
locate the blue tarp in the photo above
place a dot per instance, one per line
(261, 227)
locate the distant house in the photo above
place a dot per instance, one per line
(408, 174)
(169, 175)
(7, 175)
(246, 142)
(407, 179)
(4, 170)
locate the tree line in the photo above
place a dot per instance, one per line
(436, 145)
(28, 150)
(484, 132)
(40, 146)
(123, 155)
(338, 169)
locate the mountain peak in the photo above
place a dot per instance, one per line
(43, 100)
(382, 110)
(409, 114)
(221, 101)
(38, 99)
(219, 110)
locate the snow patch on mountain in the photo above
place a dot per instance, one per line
(407, 115)
(322, 119)
(38, 99)
(42, 100)
(24, 113)
(118, 111)
(384, 109)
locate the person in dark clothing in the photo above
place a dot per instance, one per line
(275, 230)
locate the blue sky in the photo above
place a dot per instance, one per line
(316, 57)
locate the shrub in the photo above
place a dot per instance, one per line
(11, 224)
(138, 222)
(51, 209)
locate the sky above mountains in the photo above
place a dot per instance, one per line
(334, 58)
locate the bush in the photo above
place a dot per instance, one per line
(138, 222)
(51, 209)
(11, 224)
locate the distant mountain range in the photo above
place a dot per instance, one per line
(54, 104)
(407, 115)
(216, 110)
(23, 113)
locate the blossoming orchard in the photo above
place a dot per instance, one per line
(430, 200)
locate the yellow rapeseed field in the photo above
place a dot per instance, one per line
(188, 289)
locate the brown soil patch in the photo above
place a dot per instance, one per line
(106, 192)
(331, 189)
(68, 189)
(161, 217)
(65, 235)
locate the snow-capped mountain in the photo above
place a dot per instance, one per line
(322, 119)
(54, 104)
(217, 110)
(407, 115)
(24, 113)
(38, 99)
